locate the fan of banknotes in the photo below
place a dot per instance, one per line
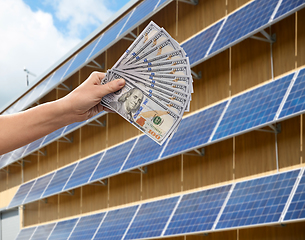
(158, 84)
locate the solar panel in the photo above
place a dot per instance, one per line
(43, 231)
(59, 180)
(112, 160)
(141, 11)
(194, 130)
(295, 102)
(33, 146)
(21, 194)
(54, 135)
(109, 36)
(115, 223)
(253, 109)
(83, 171)
(26, 233)
(197, 211)
(296, 210)
(63, 229)
(288, 6)
(197, 47)
(151, 219)
(144, 151)
(244, 22)
(87, 226)
(73, 126)
(17, 154)
(258, 201)
(38, 188)
(4, 159)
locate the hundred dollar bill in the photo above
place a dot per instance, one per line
(165, 47)
(150, 30)
(182, 70)
(172, 62)
(148, 115)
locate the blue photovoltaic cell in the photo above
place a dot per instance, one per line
(115, 223)
(288, 6)
(73, 126)
(81, 58)
(56, 134)
(112, 161)
(295, 102)
(145, 151)
(194, 130)
(83, 171)
(4, 159)
(197, 46)
(38, 188)
(17, 154)
(21, 194)
(33, 146)
(161, 2)
(25, 234)
(244, 22)
(110, 35)
(253, 108)
(258, 201)
(197, 211)
(151, 219)
(87, 226)
(296, 209)
(59, 180)
(63, 229)
(142, 10)
(43, 231)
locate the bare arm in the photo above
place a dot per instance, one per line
(19, 129)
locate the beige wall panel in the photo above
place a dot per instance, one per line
(215, 167)
(214, 84)
(7, 195)
(94, 198)
(255, 153)
(234, 4)
(250, 64)
(30, 214)
(3, 180)
(193, 18)
(301, 37)
(124, 188)
(30, 169)
(293, 231)
(14, 176)
(49, 211)
(69, 152)
(227, 235)
(70, 205)
(93, 138)
(48, 162)
(289, 143)
(284, 46)
(119, 129)
(162, 178)
(116, 51)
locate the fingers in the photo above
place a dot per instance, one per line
(111, 87)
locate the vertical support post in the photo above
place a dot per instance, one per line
(276, 152)
(271, 55)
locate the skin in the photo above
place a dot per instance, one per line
(81, 104)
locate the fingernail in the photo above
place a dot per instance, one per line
(121, 82)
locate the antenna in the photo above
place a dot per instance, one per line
(27, 75)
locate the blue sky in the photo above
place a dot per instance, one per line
(37, 33)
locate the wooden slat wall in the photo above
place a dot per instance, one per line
(235, 4)
(300, 38)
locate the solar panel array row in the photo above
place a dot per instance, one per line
(199, 48)
(265, 105)
(132, 19)
(237, 26)
(255, 202)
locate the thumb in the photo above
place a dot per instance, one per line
(111, 87)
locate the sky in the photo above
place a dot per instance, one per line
(37, 33)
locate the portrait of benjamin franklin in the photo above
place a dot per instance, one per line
(128, 103)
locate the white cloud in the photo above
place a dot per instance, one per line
(30, 39)
(80, 14)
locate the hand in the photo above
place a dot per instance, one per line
(84, 101)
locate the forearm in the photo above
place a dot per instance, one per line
(22, 128)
